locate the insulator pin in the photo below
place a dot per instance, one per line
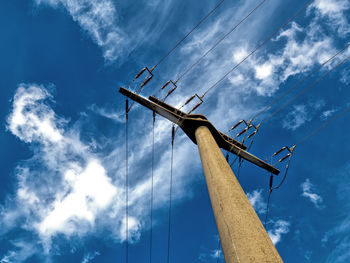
(285, 157)
(236, 125)
(171, 91)
(195, 107)
(189, 100)
(166, 84)
(146, 81)
(244, 131)
(140, 73)
(252, 134)
(279, 151)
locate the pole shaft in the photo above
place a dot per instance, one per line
(243, 237)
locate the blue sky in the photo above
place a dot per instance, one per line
(63, 135)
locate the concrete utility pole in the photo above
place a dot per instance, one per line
(242, 236)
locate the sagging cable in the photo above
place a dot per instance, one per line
(271, 187)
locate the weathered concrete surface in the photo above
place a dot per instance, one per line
(243, 237)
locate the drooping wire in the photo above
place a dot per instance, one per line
(127, 180)
(218, 42)
(189, 33)
(258, 47)
(152, 186)
(171, 189)
(271, 188)
(306, 89)
(300, 82)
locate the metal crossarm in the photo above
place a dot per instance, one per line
(189, 124)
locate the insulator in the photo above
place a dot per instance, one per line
(171, 91)
(279, 151)
(285, 157)
(245, 130)
(236, 125)
(173, 135)
(271, 182)
(140, 73)
(189, 100)
(146, 81)
(166, 84)
(253, 133)
(195, 107)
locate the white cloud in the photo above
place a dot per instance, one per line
(327, 114)
(279, 228)
(334, 10)
(256, 200)
(23, 251)
(90, 256)
(30, 122)
(98, 18)
(108, 113)
(309, 192)
(90, 192)
(67, 188)
(296, 118)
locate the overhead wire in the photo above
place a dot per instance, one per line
(306, 89)
(189, 33)
(322, 126)
(289, 156)
(257, 48)
(282, 96)
(152, 186)
(299, 83)
(127, 180)
(171, 189)
(218, 42)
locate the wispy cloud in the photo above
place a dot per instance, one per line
(99, 19)
(256, 200)
(70, 189)
(334, 10)
(327, 114)
(279, 228)
(90, 256)
(309, 192)
(296, 118)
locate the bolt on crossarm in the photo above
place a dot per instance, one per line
(243, 237)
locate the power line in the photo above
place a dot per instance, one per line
(323, 126)
(189, 33)
(127, 180)
(306, 89)
(171, 189)
(152, 186)
(257, 48)
(217, 43)
(299, 83)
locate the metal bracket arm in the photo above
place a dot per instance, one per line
(190, 122)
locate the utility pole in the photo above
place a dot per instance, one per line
(243, 237)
